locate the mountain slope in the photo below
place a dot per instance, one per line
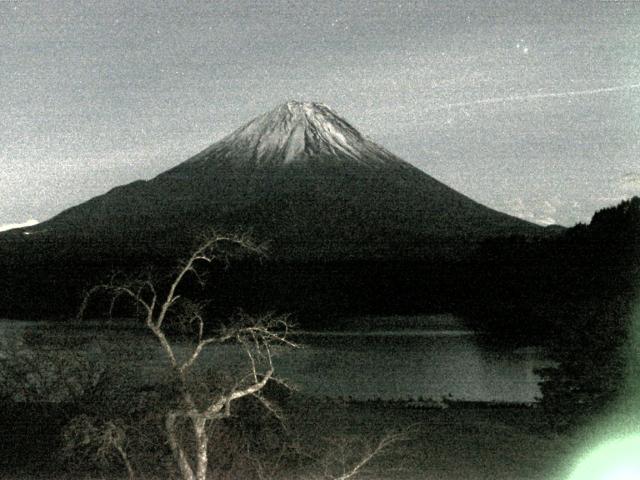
(303, 178)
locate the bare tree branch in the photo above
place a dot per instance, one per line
(255, 335)
(369, 454)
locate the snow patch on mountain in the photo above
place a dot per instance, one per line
(10, 226)
(295, 132)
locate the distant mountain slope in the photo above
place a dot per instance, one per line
(304, 179)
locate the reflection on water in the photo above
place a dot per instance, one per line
(392, 366)
(387, 364)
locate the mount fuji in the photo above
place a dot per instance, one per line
(302, 178)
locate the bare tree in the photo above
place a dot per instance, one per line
(348, 458)
(163, 308)
(339, 457)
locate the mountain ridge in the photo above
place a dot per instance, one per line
(303, 178)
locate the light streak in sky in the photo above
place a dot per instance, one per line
(536, 96)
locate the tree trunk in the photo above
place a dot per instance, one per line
(178, 453)
(202, 443)
(127, 464)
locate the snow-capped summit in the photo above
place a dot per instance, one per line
(297, 132)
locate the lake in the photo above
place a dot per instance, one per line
(433, 357)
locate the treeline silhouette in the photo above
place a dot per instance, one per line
(515, 288)
(536, 289)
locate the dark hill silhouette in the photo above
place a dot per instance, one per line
(537, 288)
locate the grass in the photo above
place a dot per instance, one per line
(446, 444)
(442, 443)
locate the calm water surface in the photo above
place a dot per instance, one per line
(439, 359)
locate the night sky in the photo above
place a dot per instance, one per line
(532, 108)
